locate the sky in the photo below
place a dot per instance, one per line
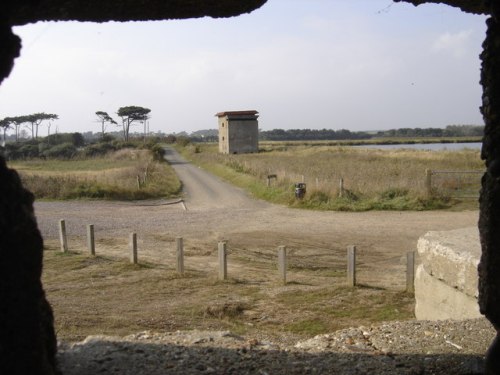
(337, 64)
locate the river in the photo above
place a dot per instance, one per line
(427, 146)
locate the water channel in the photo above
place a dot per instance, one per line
(427, 146)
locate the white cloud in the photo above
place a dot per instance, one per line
(457, 44)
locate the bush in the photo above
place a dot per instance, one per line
(157, 151)
(76, 139)
(118, 145)
(62, 151)
(97, 149)
(28, 150)
(183, 141)
(11, 151)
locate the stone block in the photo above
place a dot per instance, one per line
(436, 300)
(452, 257)
(446, 278)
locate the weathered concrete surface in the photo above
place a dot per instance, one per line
(446, 278)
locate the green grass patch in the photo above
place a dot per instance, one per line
(369, 304)
(307, 326)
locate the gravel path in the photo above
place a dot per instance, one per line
(393, 348)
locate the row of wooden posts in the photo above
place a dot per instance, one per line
(428, 179)
(222, 257)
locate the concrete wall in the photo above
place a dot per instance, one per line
(446, 279)
(238, 135)
(243, 137)
(223, 135)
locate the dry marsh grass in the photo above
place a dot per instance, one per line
(126, 174)
(372, 179)
(108, 295)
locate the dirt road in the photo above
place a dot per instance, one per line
(203, 191)
(253, 228)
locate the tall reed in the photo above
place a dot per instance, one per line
(372, 179)
(124, 175)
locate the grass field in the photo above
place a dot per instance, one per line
(106, 295)
(372, 179)
(126, 175)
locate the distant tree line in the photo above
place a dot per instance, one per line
(343, 134)
(32, 122)
(449, 131)
(311, 135)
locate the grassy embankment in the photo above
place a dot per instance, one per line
(124, 175)
(372, 179)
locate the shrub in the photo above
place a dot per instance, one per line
(28, 150)
(183, 141)
(158, 152)
(62, 151)
(393, 193)
(97, 149)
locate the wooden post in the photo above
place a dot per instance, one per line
(317, 182)
(180, 255)
(282, 263)
(341, 187)
(270, 177)
(351, 266)
(303, 178)
(133, 248)
(90, 239)
(410, 272)
(428, 182)
(62, 236)
(222, 260)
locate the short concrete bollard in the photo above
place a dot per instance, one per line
(90, 239)
(62, 236)
(282, 263)
(180, 255)
(351, 266)
(410, 272)
(222, 260)
(133, 248)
